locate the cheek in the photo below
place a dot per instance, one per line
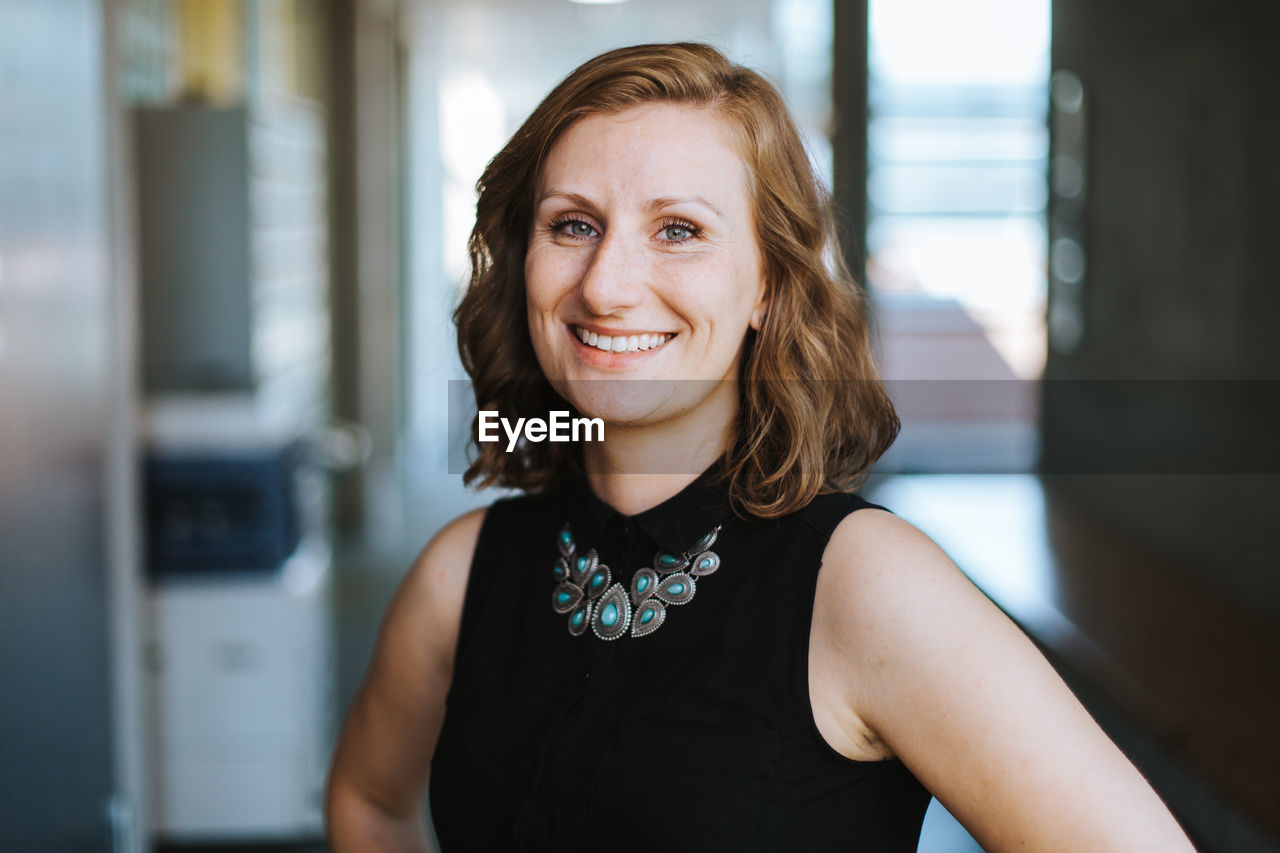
(728, 304)
(547, 278)
(539, 294)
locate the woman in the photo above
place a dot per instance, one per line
(641, 652)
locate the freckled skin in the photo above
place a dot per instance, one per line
(644, 224)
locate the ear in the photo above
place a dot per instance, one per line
(761, 308)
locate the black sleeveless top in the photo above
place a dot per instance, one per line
(698, 735)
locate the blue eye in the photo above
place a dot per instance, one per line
(678, 232)
(578, 229)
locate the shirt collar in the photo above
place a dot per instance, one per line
(674, 525)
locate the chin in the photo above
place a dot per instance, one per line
(634, 402)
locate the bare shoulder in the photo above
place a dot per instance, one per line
(884, 594)
(384, 751)
(904, 620)
(456, 539)
(446, 558)
(875, 543)
(905, 646)
(430, 597)
(413, 660)
(891, 581)
(886, 586)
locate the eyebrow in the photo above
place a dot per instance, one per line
(652, 206)
(660, 203)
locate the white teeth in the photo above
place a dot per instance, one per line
(620, 343)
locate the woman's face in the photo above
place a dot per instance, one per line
(643, 265)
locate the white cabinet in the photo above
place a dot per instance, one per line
(242, 671)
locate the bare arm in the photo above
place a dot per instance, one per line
(380, 766)
(923, 664)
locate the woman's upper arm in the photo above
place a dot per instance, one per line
(959, 694)
(384, 751)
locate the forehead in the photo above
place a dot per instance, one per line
(655, 150)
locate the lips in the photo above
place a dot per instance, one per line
(622, 343)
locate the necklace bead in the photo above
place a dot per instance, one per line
(586, 591)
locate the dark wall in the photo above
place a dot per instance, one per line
(849, 136)
(1178, 226)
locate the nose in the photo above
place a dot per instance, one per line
(614, 280)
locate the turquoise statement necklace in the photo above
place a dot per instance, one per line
(586, 591)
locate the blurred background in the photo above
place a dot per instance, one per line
(231, 236)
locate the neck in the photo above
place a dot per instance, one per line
(639, 467)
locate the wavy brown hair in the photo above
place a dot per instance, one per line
(813, 415)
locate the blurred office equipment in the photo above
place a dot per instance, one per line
(233, 253)
(235, 359)
(240, 654)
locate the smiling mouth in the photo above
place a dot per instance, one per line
(622, 343)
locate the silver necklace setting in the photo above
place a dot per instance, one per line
(586, 590)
